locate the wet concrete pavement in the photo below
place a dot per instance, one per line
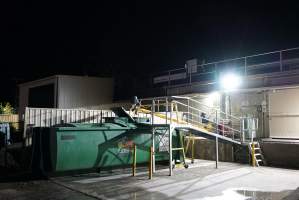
(202, 181)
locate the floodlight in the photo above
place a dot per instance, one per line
(230, 81)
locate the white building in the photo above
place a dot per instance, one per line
(63, 91)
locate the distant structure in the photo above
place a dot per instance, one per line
(64, 91)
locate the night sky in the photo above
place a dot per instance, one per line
(134, 38)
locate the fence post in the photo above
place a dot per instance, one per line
(150, 165)
(134, 160)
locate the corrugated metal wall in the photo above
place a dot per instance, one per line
(47, 117)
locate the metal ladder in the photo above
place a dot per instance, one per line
(258, 154)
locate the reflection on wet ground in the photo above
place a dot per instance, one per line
(202, 182)
(260, 195)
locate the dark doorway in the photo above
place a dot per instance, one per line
(41, 96)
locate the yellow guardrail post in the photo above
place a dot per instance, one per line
(192, 149)
(134, 160)
(253, 155)
(150, 165)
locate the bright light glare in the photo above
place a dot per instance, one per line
(230, 81)
(212, 98)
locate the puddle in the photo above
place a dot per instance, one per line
(260, 195)
(233, 194)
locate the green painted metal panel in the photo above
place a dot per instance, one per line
(86, 146)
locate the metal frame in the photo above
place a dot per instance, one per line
(245, 67)
(179, 122)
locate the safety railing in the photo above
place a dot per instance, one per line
(186, 111)
(275, 61)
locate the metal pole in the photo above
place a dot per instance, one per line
(245, 66)
(242, 129)
(153, 135)
(134, 160)
(253, 155)
(188, 111)
(158, 106)
(170, 143)
(216, 152)
(168, 78)
(217, 122)
(280, 60)
(166, 110)
(216, 69)
(192, 149)
(150, 165)
(5, 143)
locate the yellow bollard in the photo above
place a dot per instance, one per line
(253, 154)
(192, 149)
(150, 166)
(134, 160)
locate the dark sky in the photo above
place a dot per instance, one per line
(40, 38)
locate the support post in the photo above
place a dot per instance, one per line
(150, 165)
(242, 129)
(245, 66)
(217, 124)
(168, 78)
(153, 151)
(252, 155)
(166, 109)
(192, 150)
(153, 135)
(216, 152)
(170, 142)
(280, 60)
(188, 111)
(170, 151)
(134, 160)
(5, 151)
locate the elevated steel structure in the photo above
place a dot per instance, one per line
(185, 113)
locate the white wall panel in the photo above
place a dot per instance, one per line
(84, 92)
(284, 113)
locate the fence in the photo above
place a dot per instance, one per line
(10, 118)
(47, 117)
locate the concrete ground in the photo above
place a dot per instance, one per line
(230, 181)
